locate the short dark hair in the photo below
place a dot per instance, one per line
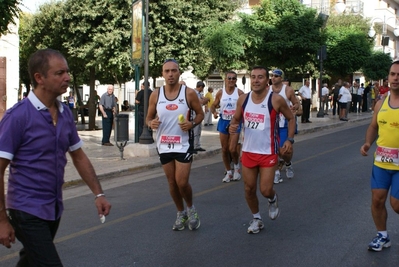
(148, 84)
(261, 68)
(39, 63)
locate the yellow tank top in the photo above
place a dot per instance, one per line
(387, 152)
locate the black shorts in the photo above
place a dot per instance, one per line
(165, 158)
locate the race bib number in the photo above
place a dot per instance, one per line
(387, 155)
(254, 121)
(171, 142)
(228, 114)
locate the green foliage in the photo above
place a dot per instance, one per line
(8, 12)
(226, 45)
(348, 45)
(175, 29)
(377, 66)
(282, 33)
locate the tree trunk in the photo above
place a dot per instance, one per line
(92, 100)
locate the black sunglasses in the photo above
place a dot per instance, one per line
(231, 78)
(274, 75)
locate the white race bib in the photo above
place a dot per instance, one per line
(228, 114)
(254, 121)
(171, 142)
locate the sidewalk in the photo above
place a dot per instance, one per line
(108, 163)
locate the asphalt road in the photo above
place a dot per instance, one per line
(325, 216)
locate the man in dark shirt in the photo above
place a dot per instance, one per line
(108, 110)
(140, 103)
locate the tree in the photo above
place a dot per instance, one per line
(98, 34)
(9, 11)
(226, 45)
(348, 46)
(284, 34)
(175, 28)
(377, 65)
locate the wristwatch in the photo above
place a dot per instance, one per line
(291, 140)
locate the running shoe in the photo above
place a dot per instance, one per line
(274, 211)
(379, 242)
(181, 221)
(193, 219)
(289, 171)
(277, 177)
(227, 178)
(255, 225)
(236, 175)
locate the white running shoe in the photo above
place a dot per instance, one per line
(255, 225)
(236, 175)
(274, 211)
(277, 177)
(227, 178)
(289, 171)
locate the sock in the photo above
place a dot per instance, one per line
(288, 164)
(236, 166)
(277, 171)
(272, 200)
(257, 216)
(384, 233)
(229, 171)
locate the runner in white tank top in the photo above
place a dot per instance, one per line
(259, 110)
(227, 99)
(173, 139)
(170, 137)
(288, 94)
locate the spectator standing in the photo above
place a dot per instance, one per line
(366, 98)
(198, 130)
(71, 101)
(344, 98)
(305, 93)
(126, 106)
(336, 105)
(385, 172)
(208, 113)
(140, 103)
(108, 110)
(354, 88)
(175, 139)
(324, 98)
(359, 101)
(34, 138)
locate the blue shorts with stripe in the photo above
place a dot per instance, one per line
(223, 124)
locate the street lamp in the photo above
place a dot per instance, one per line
(145, 137)
(385, 38)
(340, 7)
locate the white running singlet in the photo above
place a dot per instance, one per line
(228, 104)
(260, 126)
(170, 137)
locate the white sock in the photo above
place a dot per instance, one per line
(257, 216)
(272, 200)
(237, 166)
(384, 233)
(229, 171)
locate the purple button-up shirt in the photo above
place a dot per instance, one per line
(37, 153)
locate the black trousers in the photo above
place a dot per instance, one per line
(306, 110)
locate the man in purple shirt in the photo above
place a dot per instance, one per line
(35, 135)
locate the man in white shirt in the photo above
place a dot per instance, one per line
(360, 93)
(305, 94)
(344, 98)
(324, 98)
